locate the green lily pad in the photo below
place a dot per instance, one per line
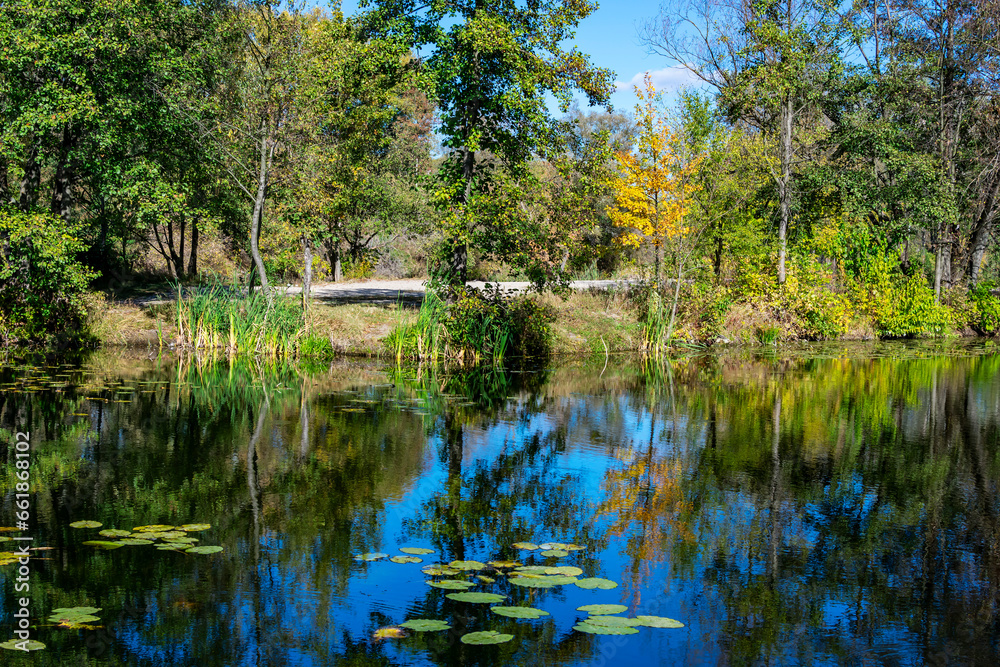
(519, 612)
(613, 621)
(406, 559)
(370, 556)
(658, 622)
(103, 544)
(604, 629)
(170, 546)
(194, 527)
(86, 524)
(573, 547)
(555, 553)
(486, 637)
(567, 570)
(525, 545)
(484, 578)
(134, 542)
(532, 582)
(4, 538)
(203, 550)
(603, 609)
(531, 569)
(487, 598)
(504, 563)
(596, 582)
(155, 528)
(426, 625)
(114, 532)
(451, 584)
(20, 645)
(168, 534)
(467, 565)
(416, 551)
(181, 540)
(438, 570)
(76, 610)
(74, 622)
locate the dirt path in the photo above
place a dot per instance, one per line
(391, 291)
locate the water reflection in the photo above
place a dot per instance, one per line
(826, 506)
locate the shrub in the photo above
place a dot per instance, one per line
(530, 324)
(42, 285)
(984, 317)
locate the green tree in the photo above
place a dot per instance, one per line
(491, 64)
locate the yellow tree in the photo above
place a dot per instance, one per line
(653, 184)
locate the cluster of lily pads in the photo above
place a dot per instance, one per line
(603, 619)
(161, 536)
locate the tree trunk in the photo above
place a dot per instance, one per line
(460, 248)
(62, 182)
(258, 211)
(28, 192)
(784, 185)
(980, 237)
(193, 261)
(307, 271)
(333, 256)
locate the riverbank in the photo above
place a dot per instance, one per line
(592, 322)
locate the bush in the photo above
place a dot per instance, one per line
(984, 317)
(530, 324)
(42, 284)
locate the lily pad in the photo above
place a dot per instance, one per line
(519, 612)
(485, 579)
(531, 569)
(487, 598)
(114, 532)
(169, 534)
(596, 582)
(203, 550)
(134, 542)
(658, 622)
(76, 610)
(103, 544)
(439, 570)
(426, 625)
(504, 563)
(21, 645)
(613, 621)
(603, 609)
(194, 527)
(155, 528)
(406, 559)
(555, 553)
(604, 629)
(573, 547)
(86, 524)
(370, 556)
(170, 546)
(416, 551)
(532, 582)
(74, 622)
(181, 540)
(467, 565)
(486, 637)
(451, 584)
(525, 545)
(567, 570)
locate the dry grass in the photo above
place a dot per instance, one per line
(114, 323)
(585, 319)
(358, 328)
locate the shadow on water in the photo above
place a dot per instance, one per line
(819, 505)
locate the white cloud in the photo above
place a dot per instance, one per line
(666, 80)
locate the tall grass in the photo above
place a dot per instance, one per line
(221, 316)
(655, 325)
(424, 338)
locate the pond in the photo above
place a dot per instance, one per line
(819, 505)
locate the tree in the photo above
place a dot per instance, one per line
(770, 61)
(653, 186)
(491, 64)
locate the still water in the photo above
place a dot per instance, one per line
(828, 505)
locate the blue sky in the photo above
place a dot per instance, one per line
(610, 37)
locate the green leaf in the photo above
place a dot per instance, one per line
(86, 524)
(533, 582)
(596, 582)
(17, 644)
(532, 569)
(599, 609)
(451, 584)
(467, 565)
(426, 625)
(134, 542)
(658, 622)
(488, 598)
(486, 637)
(519, 612)
(203, 550)
(525, 545)
(114, 532)
(567, 570)
(370, 556)
(613, 621)
(406, 559)
(603, 629)
(437, 570)
(103, 544)
(195, 527)
(555, 553)
(416, 551)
